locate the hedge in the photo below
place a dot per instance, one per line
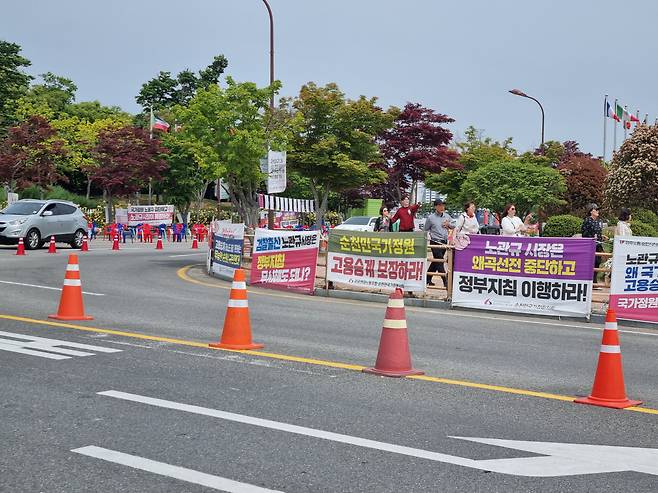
(562, 225)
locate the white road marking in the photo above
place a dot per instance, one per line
(563, 459)
(47, 348)
(163, 469)
(45, 287)
(188, 254)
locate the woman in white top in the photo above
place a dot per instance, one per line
(623, 227)
(467, 223)
(511, 224)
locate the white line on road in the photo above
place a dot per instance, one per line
(188, 254)
(16, 349)
(557, 459)
(45, 287)
(163, 469)
(44, 348)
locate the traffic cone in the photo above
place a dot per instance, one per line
(52, 248)
(115, 243)
(237, 327)
(394, 358)
(21, 247)
(608, 389)
(158, 245)
(85, 245)
(195, 244)
(70, 304)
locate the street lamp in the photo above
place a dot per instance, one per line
(269, 11)
(518, 92)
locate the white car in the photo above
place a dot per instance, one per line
(358, 223)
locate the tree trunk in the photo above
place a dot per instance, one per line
(110, 207)
(88, 188)
(321, 198)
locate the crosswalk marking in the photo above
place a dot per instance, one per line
(47, 348)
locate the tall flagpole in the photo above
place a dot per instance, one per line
(624, 121)
(151, 137)
(614, 133)
(605, 123)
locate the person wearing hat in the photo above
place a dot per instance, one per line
(592, 227)
(437, 226)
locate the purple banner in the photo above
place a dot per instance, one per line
(539, 257)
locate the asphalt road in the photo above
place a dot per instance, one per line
(356, 432)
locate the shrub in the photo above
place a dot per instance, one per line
(643, 229)
(562, 225)
(645, 216)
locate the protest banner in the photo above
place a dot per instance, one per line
(634, 284)
(378, 260)
(285, 259)
(228, 240)
(545, 276)
(150, 214)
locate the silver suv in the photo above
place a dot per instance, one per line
(37, 220)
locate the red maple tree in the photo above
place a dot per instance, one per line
(127, 158)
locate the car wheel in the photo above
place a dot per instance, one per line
(33, 240)
(77, 239)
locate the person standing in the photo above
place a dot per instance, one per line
(511, 225)
(592, 227)
(623, 227)
(383, 222)
(467, 223)
(437, 225)
(406, 215)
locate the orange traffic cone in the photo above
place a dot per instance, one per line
(85, 245)
(237, 327)
(158, 245)
(609, 389)
(21, 247)
(70, 304)
(115, 243)
(51, 247)
(195, 244)
(394, 358)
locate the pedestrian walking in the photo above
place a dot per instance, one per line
(592, 227)
(406, 215)
(623, 227)
(383, 222)
(511, 224)
(438, 225)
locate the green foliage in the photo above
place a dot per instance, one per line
(48, 99)
(96, 214)
(331, 217)
(185, 180)
(633, 174)
(564, 225)
(57, 192)
(640, 228)
(13, 81)
(644, 216)
(529, 186)
(93, 111)
(333, 141)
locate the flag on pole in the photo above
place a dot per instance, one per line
(634, 118)
(159, 124)
(609, 113)
(619, 112)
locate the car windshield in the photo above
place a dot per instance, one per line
(23, 208)
(358, 220)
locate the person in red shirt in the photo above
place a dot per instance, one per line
(406, 215)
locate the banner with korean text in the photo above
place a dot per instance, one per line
(634, 284)
(378, 260)
(150, 214)
(285, 259)
(545, 276)
(228, 240)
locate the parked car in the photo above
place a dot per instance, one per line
(358, 223)
(37, 220)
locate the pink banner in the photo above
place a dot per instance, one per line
(285, 260)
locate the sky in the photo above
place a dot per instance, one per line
(458, 58)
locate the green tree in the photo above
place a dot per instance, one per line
(92, 111)
(228, 130)
(14, 83)
(333, 141)
(633, 174)
(529, 186)
(55, 93)
(476, 152)
(165, 91)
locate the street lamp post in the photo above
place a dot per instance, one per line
(269, 12)
(518, 92)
